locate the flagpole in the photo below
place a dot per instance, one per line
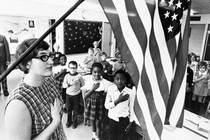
(33, 46)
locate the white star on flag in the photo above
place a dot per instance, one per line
(167, 14)
(178, 5)
(174, 17)
(170, 28)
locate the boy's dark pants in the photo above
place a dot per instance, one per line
(72, 106)
(117, 129)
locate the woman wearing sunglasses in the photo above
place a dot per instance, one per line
(33, 110)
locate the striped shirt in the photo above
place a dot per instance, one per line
(37, 100)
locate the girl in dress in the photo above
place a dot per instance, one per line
(200, 86)
(89, 60)
(95, 89)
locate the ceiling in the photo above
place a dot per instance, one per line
(15, 6)
(198, 6)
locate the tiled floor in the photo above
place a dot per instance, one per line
(80, 133)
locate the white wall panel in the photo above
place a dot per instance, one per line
(196, 38)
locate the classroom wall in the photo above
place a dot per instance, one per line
(19, 12)
(78, 15)
(196, 38)
(17, 28)
(198, 34)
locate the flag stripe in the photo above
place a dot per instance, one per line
(140, 116)
(132, 41)
(178, 104)
(111, 14)
(154, 102)
(135, 50)
(158, 103)
(176, 100)
(153, 53)
(164, 55)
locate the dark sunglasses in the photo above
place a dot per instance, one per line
(45, 57)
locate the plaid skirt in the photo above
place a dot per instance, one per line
(94, 109)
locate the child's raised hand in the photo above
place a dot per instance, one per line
(95, 86)
(74, 82)
(122, 97)
(64, 70)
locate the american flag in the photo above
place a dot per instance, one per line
(153, 36)
(80, 35)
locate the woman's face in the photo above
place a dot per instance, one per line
(97, 73)
(40, 68)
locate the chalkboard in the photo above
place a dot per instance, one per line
(79, 35)
(206, 55)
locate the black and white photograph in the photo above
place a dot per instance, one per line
(105, 70)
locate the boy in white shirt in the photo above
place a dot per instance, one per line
(119, 102)
(73, 83)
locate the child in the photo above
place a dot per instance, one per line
(193, 62)
(200, 86)
(119, 65)
(59, 72)
(73, 83)
(188, 96)
(89, 60)
(107, 67)
(97, 51)
(94, 93)
(119, 102)
(56, 48)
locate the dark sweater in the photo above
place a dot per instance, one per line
(4, 50)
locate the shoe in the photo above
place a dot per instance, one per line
(6, 93)
(68, 124)
(74, 125)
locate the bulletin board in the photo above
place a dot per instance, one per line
(79, 35)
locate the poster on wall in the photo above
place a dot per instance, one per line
(13, 40)
(80, 35)
(15, 29)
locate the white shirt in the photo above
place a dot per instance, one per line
(59, 68)
(73, 84)
(122, 109)
(89, 82)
